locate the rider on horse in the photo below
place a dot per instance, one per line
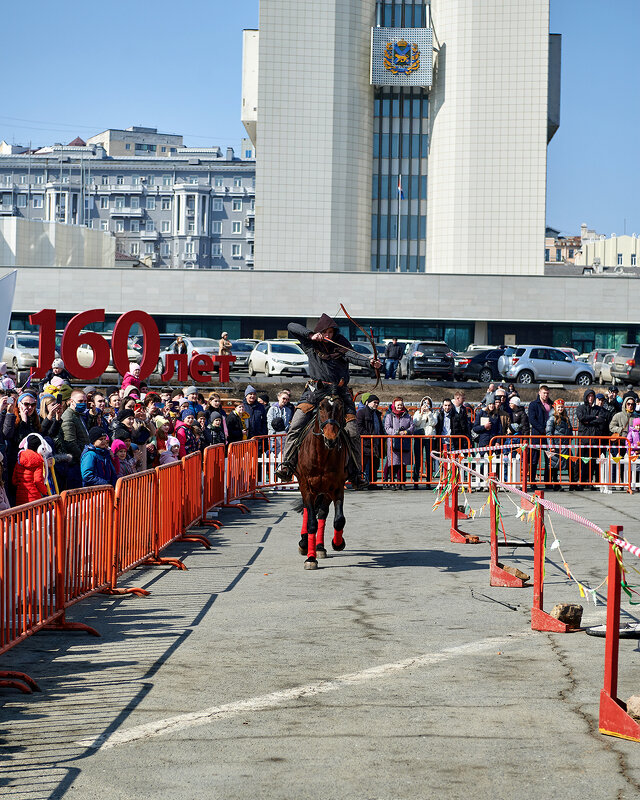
(329, 355)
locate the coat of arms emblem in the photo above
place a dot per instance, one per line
(401, 58)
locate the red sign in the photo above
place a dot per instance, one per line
(200, 368)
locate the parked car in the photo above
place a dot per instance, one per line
(530, 364)
(277, 357)
(241, 349)
(21, 350)
(195, 347)
(426, 359)
(84, 353)
(626, 364)
(596, 357)
(604, 371)
(480, 365)
(363, 349)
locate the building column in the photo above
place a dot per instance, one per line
(481, 332)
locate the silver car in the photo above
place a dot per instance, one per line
(532, 364)
(21, 350)
(194, 347)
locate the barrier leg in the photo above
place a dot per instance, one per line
(18, 680)
(258, 495)
(614, 720)
(498, 575)
(540, 620)
(239, 506)
(456, 535)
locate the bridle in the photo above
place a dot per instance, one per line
(330, 443)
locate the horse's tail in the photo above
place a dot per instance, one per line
(298, 506)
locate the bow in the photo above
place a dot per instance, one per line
(373, 344)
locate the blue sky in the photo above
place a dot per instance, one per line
(83, 68)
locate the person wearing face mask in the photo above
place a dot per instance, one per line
(74, 436)
(17, 425)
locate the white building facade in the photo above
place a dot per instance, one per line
(416, 175)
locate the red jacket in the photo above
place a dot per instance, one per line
(28, 477)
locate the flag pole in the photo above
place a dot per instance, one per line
(398, 224)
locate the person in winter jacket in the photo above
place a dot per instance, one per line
(369, 423)
(559, 431)
(16, 427)
(96, 464)
(132, 378)
(185, 435)
(123, 460)
(4, 499)
(538, 414)
(398, 423)
(487, 425)
(29, 474)
(329, 355)
(236, 424)
(257, 421)
(57, 371)
(7, 384)
(217, 430)
(590, 423)
(425, 420)
(282, 410)
(172, 452)
(519, 422)
(191, 395)
(633, 437)
(392, 355)
(619, 425)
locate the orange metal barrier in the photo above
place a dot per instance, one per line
(134, 525)
(170, 527)
(88, 555)
(192, 497)
(570, 462)
(242, 473)
(270, 452)
(614, 719)
(418, 467)
(32, 579)
(213, 482)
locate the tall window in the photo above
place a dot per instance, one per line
(166, 226)
(135, 226)
(135, 202)
(151, 203)
(166, 204)
(216, 227)
(619, 259)
(558, 254)
(104, 202)
(237, 205)
(120, 180)
(219, 183)
(119, 226)
(633, 260)
(237, 227)
(166, 180)
(237, 182)
(37, 201)
(104, 180)
(216, 250)
(135, 180)
(236, 251)
(217, 204)
(134, 248)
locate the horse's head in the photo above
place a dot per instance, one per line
(331, 419)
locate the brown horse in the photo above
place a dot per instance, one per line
(322, 472)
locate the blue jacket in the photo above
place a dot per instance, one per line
(257, 422)
(484, 435)
(538, 416)
(97, 467)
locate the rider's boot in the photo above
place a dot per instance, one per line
(354, 467)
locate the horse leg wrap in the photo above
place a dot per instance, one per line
(311, 545)
(320, 533)
(337, 537)
(305, 518)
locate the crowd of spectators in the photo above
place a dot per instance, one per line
(55, 436)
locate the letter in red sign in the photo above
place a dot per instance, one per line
(201, 368)
(183, 367)
(119, 342)
(73, 339)
(46, 320)
(225, 363)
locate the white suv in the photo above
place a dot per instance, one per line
(277, 356)
(532, 364)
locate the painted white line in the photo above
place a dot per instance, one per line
(194, 718)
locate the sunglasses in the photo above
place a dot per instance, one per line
(28, 405)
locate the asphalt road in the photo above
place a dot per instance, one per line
(394, 672)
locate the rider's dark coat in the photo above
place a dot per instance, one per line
(327, 362)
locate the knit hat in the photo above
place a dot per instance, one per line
(96, 433)
(159, 421)
(133, 365)
(215, 415)
(515, 401)
(365, 397)
(117, 444)
(371, 397)
(600, 396)
(125, 413)
(559, 403)
(57, 363)
(190, 390)
(249, 390)
(172, 442)
(186, 413)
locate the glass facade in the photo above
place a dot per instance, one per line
(400, 150)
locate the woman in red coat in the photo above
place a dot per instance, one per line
(29, 472)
